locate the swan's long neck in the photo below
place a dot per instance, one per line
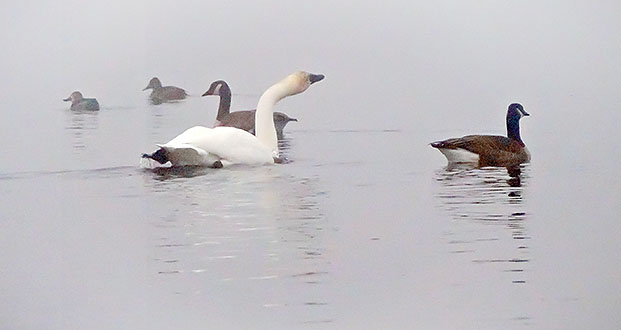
(265, 131)
(225, 105)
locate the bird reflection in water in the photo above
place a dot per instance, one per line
(483, 203)
(81, 124)
(242, 226)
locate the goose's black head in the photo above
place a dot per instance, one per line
(218, 87)
(516, 112)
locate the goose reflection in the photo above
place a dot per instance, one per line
(484, 203)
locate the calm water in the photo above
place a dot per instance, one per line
(365, 227)
(362, 229)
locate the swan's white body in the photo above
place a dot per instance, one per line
(205, 146)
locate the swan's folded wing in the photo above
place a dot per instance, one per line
(224, 143)
(237, 146)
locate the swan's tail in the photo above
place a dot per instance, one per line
(158, 156)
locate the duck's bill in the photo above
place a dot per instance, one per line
(315, 78)
(67, 99)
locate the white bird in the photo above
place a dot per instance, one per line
(223, 146)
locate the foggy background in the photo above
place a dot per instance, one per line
(390, 65)
(430, 70)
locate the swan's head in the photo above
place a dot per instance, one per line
(74, 97)
(218, 87)
(299, 81)
(153, 83)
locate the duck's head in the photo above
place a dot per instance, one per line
(516, 112)
(74, 97)
(153, 83)
(218, 87)
(299, 81)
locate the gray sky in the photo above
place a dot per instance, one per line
(401, 58)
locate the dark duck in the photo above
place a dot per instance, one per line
(161, 94)
(78, 102)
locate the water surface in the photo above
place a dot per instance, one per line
(365, 227)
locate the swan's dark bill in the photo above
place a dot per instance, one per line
(313, 78)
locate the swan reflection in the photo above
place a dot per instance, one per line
(241, 226)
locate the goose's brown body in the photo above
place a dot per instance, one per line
(489, 150)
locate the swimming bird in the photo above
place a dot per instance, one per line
(78, 102)
(241, 119)
(489, 150)
(163, 94)
(222, 146)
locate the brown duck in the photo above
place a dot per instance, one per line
(78, 102)
(161, 94)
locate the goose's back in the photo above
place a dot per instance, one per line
(245, 120)
(492, 150)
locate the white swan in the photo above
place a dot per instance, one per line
(223, 146)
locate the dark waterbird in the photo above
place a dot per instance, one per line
(243, 119)
(489, 150)
(161, 94)
(78, 102)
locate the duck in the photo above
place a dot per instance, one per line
(489, 150)
(243, 119)
(161, 94)
(223, 146)
(78, 102)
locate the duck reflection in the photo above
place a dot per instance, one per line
(484, 203)
(80, 123)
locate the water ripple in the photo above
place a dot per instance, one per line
(489, 215)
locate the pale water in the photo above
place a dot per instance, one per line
(365, 227)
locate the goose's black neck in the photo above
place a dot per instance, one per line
(225, 104)
(513, 129)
